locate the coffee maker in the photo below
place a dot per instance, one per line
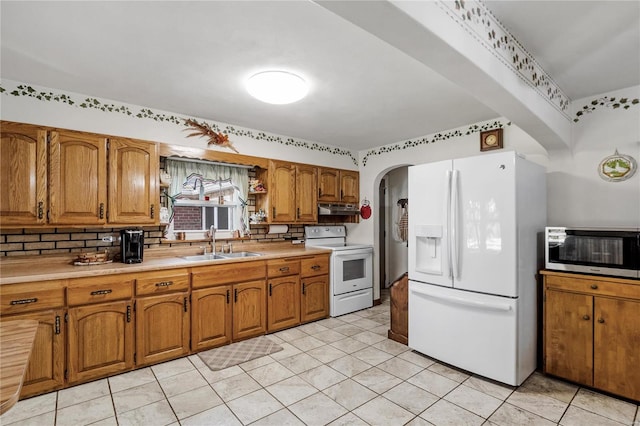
(131, 245)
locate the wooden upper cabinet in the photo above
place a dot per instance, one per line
(349, 186)
(23, 175)
(306, 201)
(78, 173)
(282, 191)
(341, 186)
(328, 184)
(133, 182)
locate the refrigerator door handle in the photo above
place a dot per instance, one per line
(465, 302)
(448, 205)
(454, 224)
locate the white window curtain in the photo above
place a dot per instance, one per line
(180, 170)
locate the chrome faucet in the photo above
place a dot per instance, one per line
(212, 235)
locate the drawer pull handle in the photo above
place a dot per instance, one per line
(594, 286)
(40, 210)
(164, 283)
(315, 267)
(24, 301)
(284, 269)
(586, 317)
(128, 313)
(57, 325)
(101, 292)
(601, 320)
(101, 211)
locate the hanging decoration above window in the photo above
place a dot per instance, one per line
(617, 167)
(215, 138)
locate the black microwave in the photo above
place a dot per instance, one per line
(614, 252)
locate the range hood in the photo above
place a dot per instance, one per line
(338, 209)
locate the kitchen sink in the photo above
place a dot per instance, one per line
(209, 256)
(238, 254)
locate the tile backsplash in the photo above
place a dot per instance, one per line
(35, 241)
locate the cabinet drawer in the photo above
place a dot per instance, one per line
(163, 282)
(599, 286)
(29, 297)
(318, 265)
(99, 289)
(228, 273)
(283, 267)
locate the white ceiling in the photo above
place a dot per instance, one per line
(192, 58)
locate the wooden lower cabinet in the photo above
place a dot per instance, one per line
(249, 310)
(283, 302)
(100, 340)
(569, 336)
(315, 298)
(45, 371)
(616, 352)
(592, 331)
(162, 328)
(211, 317)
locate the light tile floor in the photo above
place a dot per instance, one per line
(338, 371)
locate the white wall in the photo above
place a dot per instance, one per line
(53, 113)
(577, 195)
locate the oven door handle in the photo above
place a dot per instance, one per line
(353, 256)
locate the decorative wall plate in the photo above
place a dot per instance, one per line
(491, 139)
(617, 167)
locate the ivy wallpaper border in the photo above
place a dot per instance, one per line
(479, 22)
(412, 143)
(607, 102)
(24, 90)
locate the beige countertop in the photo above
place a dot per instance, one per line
(42, 268)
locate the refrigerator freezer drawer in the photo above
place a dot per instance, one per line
(475, 332)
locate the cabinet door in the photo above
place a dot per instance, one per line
(133, 182)
(100, 340)
(23, 175)
(283, 302)
(45, 371)
(210, 317)
(282, 192)
(328, 185)
(78, 173)
(162, 328)
(568, 335)
(349, 187)
(315, 298)
(616, 350)
(306, 200)
(249, 310)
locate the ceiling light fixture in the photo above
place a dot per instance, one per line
(277, 87)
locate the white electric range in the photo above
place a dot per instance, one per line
(351, 275)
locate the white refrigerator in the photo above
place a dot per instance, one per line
(473, 257)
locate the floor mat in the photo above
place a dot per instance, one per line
(236, 353)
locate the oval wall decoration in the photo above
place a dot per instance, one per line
(617, 167)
